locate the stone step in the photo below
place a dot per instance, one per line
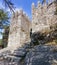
(12, 58)
(19, 53)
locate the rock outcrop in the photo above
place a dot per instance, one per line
(26, 55)
(42, 55)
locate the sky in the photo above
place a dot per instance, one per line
(22, 4)
(25, 5)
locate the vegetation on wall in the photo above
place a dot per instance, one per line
(43, 38)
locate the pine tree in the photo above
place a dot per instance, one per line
(3, 18)
(9, 4)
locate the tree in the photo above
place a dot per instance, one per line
(5, 37)
(9, 4)
(4, 19)
(4, 24)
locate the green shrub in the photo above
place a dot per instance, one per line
(0, 41)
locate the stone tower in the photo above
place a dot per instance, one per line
(19, 29)
(43, 16)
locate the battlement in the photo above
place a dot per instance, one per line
(20, 13)
(43, 14)
(42, 5)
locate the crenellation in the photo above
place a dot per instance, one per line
(39, 4)
(33, 8)
(26, 16)
(24, 13)
(21, 11)
(43, 14)
(39, 8)
(33, 5)
(16, 14)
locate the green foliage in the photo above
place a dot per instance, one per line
(3, 15)
(4, 25)
(5, 36)
(36, 38)
(0, 41)
(36, 42)
(3, 18)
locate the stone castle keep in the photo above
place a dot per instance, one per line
(42, 18)
(19, 29)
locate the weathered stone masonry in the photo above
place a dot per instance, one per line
(19, 29)
(42, 18)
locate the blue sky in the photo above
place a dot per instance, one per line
(24, 4)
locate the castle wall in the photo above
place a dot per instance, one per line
(43, 16)
(39, 17)
(14, 34)
(19, 30)
(25, 29)
(51, 17)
